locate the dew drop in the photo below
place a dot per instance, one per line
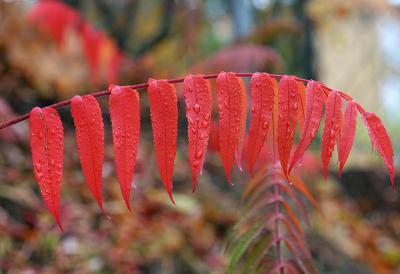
(226, 104)
(196, 108)
(199, 154)
(205, 124)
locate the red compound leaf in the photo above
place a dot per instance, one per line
(198, 113)
(348, 133)
(314, 110)
(125, 120)
(379, 139)
(47, 145)
(164, 121)
(262, 108)
(230, 104)
(288, 106)
(333, 120)
(88, 122)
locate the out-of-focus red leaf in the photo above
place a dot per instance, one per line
(54, 17)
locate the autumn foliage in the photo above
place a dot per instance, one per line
(277, 109)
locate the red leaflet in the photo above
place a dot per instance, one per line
(274, 132)
(347, 134)
(313, 114)
(47, 145)
(125, 119)
(262, 107)
(288, 106)
(333, 119)
(198, 113)
(302, 111)
(380, 140)
(164, 121)
(230, 105)
(90, 140)
(242, 129)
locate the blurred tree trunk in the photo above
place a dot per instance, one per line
(243, 17)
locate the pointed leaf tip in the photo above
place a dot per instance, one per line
(47, 146)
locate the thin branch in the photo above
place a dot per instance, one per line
(276, 226)
(144, 85)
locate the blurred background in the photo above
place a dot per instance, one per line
(53, 50)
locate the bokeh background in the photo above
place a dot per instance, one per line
(53, 50)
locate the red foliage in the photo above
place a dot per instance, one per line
(164, 121)
(288, 107)
(90, 140)
(47, 146)
(198, 113)
(125, 119)
(262, 107)
(332, 125)
(313, 114)
(231, 95)
(347, 135)
(280, 110)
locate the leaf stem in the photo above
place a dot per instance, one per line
(276, 227)
(144, 85)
